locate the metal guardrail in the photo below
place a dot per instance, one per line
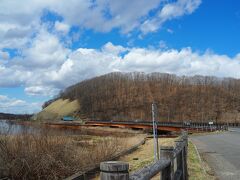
(171, 166)
(195, 126)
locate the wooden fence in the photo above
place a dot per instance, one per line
(171, 166)
(91, 172)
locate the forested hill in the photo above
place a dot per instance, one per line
(128, 96)
(7, 116)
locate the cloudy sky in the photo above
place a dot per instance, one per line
(47, 45)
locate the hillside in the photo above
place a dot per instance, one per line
(128, 96)
(59, 108)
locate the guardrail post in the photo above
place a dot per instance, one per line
(166, 152)
(114, 170)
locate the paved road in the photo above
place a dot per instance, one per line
(222, 152)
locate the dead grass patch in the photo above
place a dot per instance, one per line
(47, 156)
(144, 155)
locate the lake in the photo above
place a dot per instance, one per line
(10, 127)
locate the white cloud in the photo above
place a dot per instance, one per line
(3, 98)
(19, 21)
(104, 15)
(62, 27)
(14, 35)
(113, 49)
(168, 12)
(12, 105)
(41, 90)
(44, 51)
(4, 55)
(12, 76)
(178, 9)
(85, 63)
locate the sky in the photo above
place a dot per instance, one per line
(48, 45)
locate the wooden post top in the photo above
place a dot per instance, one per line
(114, 166)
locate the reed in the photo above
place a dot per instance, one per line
(47, 156)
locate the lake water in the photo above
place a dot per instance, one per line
(9, 127)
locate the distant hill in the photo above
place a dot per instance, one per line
(128, 96)
(7, 116)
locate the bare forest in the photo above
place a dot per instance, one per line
(128, 96)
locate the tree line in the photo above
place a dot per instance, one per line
(8, 116)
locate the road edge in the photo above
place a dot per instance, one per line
(199, 157)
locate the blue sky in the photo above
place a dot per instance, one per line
(47, 45)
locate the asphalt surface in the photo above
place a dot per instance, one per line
(222, 153)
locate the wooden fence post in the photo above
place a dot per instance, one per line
(166, 152)
(180, 158)
(114, 170)
(185, 138)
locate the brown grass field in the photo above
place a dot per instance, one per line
(48, 156)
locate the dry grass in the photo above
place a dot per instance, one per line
(144, 155)
(47, 156)
(58, 108)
